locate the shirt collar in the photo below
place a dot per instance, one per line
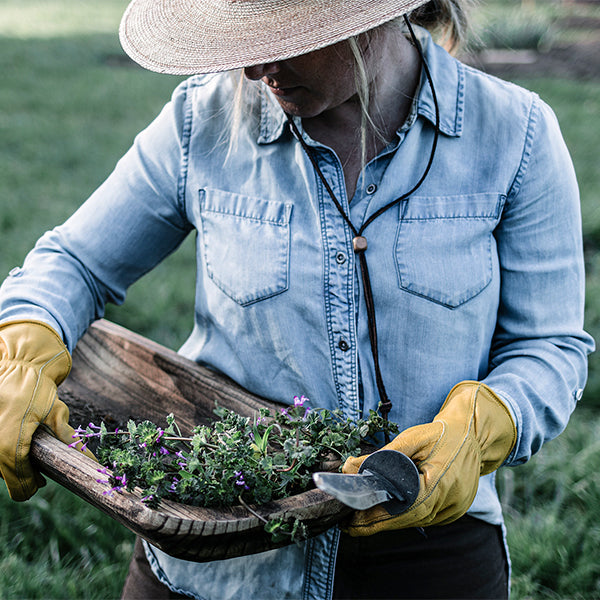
(448, 78)
(272, 117)
(449, 81)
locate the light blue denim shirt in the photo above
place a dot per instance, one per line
(478, 275)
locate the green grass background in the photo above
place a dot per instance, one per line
(69, 108)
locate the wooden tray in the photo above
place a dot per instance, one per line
(118, 375)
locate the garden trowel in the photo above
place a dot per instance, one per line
(385, 477)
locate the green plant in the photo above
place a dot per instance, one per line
(234, 460)
(552, 512)
(55, 545)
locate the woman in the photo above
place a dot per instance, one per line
(378, 227)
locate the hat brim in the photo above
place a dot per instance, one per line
(186, 37)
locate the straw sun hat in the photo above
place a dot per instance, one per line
(185, 37)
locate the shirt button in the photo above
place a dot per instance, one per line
(371, 188)
(340, 258)
(343, 345)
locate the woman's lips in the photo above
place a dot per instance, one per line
(280, 90)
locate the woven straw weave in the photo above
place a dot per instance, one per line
(184, 37)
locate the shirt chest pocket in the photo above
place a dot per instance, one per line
(445, 246)
(246, 244)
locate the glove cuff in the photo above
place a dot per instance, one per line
(36, 344)
(491, 422)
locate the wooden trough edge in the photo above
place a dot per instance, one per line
(118, 375)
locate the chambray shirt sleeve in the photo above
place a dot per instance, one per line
(129, 224)
(539, 352)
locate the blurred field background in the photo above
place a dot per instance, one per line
(70, 106)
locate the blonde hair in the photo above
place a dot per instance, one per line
(446, 20)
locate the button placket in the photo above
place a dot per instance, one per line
(339, 291)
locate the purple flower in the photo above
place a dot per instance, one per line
(299, 401)
(240, 480)
(117, 488)
(163, 451)
(80, 432)
(122, 479)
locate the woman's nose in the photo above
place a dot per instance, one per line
(257, 72)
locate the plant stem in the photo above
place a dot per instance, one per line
(294, 462)
(243, 503)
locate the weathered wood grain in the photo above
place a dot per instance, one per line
(118, 375)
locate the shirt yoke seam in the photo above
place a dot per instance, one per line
(532, 120)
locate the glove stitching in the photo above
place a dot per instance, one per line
(491, 396)
(433, 452)
(467, 436)
(434, 486)
(438, 443)
(19, 469)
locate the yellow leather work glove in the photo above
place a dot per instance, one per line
(472, 435)
(33, 362)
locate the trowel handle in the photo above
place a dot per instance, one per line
(400, 476)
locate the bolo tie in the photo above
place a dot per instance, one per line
(359, 241)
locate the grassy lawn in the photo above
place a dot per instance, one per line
(552, 511)
(55, 546)
(68, 109)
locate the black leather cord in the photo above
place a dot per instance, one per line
(360, 242)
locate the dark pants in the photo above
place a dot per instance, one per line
(465, 559)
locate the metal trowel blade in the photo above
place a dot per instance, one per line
(356, 491)
(386, 477)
